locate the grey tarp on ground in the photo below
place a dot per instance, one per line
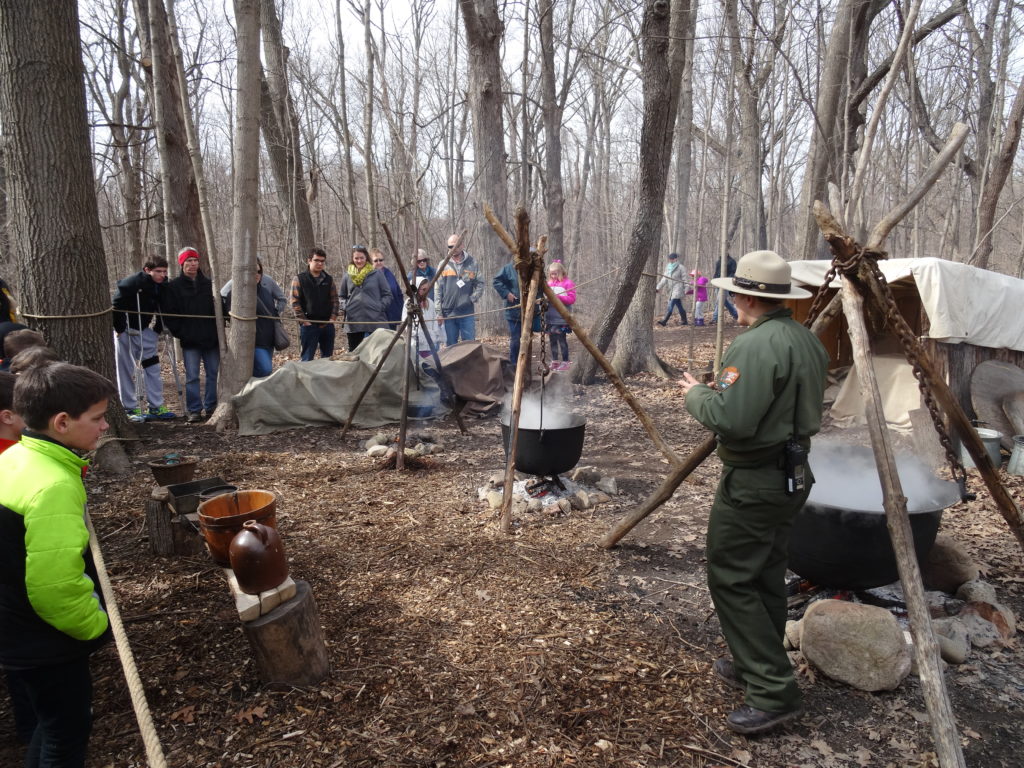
(322, 392)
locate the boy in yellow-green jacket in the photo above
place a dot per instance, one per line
(51, 615)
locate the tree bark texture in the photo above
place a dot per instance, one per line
(663, 56)
(280, 124)
(54, 218)
(181, 203)
(554, 197)
(484, 31)
(245, 226)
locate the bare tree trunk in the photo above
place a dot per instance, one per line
(483, 34)
(54, 218)
(280, 125)
(354, 229)
(997, 180)
(181, 199)
(245, 226)
(368, 170)
(684, 139)
(554, 197)
(663, 55)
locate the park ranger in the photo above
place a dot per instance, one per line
(764, 406)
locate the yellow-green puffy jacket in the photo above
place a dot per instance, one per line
(50, 610)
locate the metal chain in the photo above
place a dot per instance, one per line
(543, 368)
(910, 346)
(819, 297)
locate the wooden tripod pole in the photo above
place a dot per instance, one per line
(522, 364)
(944, 731)
(373, 376)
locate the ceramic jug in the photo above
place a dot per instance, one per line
(257, 558)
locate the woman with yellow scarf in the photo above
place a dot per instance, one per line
(365, 296)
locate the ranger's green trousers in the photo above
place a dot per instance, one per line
(747, 550)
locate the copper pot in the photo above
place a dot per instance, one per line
(257, 558)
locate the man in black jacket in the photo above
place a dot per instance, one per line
(315, 303)
(191, 293)
(136, 302)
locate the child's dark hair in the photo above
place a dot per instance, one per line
(154, 262)
(33, 357)
(15, 341)
(7, 381)
(43, 392)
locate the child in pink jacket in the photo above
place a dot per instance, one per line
(565, 289)
(701, 286)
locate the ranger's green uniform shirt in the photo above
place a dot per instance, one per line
(751, 406)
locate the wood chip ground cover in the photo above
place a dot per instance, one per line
(452, 645)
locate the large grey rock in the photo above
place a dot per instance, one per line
(792, 639)
(608, 485)
(977, 591)
(585, 475)
(494, 499)
(376, 451)
(948, 566)
(954, 642)
(860, 645)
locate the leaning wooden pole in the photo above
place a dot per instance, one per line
(613, 377)
(663, 492)
(522, 364)
(943, 722)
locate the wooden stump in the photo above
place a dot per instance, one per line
(288, 644)
(169, 533)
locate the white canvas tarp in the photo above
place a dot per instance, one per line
(963, 303)
(322, 392)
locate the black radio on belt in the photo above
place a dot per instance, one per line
(795, 464)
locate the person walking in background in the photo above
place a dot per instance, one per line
(764, 408)
(458, 290)
(675, 288)
(136, 303)
(423, 269)
(730, 270)
(700, 285)
(315, 304)
(191, 293)
(366, 297)
(394, 309)
(269, 304)
(558, 329)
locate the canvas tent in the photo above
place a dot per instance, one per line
(322, 392)
(963, 314)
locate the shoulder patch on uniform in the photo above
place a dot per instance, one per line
(727, 378)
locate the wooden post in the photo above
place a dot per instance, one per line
(944, 731)
(403, 424)
(525, 337)
(288, 644)
(170, 533)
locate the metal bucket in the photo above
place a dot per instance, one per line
(1016, 464)
(546, 452)
(990, 439)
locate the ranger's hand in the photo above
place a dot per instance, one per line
(687, 383)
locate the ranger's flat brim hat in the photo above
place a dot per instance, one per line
(762, 273)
